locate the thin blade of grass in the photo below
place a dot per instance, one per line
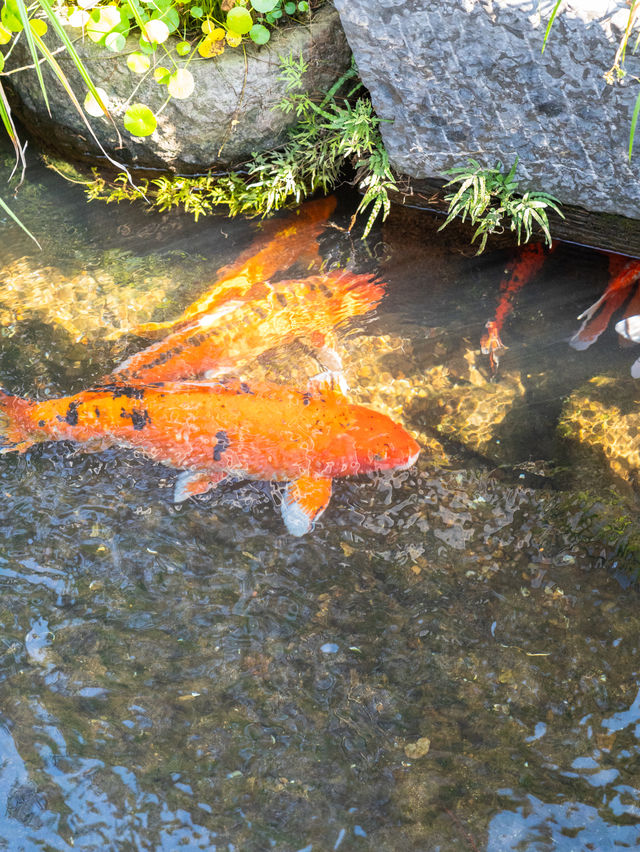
(634, 121)
(24, 17)
(74, 100)
(10, 212)
(549, 25)
(73, 53)
(12, 133)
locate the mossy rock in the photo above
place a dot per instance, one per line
(232, 113)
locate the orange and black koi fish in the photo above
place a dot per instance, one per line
(281, 243)
(624, 276)
(214, 430)
(236, 331)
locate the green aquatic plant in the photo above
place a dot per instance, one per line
(341, 129)
(489, 198)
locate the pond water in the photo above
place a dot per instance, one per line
(447, 662)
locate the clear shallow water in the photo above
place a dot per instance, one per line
(193, 677)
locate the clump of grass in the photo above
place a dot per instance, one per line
(489, 198)
(341, 129)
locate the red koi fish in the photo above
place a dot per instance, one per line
(490, 344)
(215, 430)
(237, 331)
(520, 270)
(624, 275)
(280, 244)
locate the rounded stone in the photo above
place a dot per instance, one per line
(232, 113)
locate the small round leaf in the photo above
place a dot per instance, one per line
(92, 106)
(208, 47)
(102, 21)
(5, 35)
(77, 18)
(115, 41)
(138, 62)
(161, 75)
(38, 26)
(259, 34)
(181, 83)
(290, 8)
(146, 47)
(196, 12)
(264, 6)
(182, 48)
(156, 31)
(10, 21)
(239, 20)
(139, 120)
(233, 39)
(303, 6)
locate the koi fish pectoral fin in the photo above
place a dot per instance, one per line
(329, 381)
(304, 501)
(189, 483)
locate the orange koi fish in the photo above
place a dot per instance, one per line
(520, 270)
(217, 341)
(281, 244)
(215, 430)
(490, 344)
(596, 318)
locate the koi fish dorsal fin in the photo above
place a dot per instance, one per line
(190, 483)
(304, 501)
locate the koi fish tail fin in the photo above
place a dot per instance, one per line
(304, 501)
(596, 318)
(13, 435)
(352, 294)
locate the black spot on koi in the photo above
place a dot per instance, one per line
(221, 446)
(117, 391)
(71, 417)
(139, 419)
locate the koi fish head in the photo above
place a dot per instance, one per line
(381, 444)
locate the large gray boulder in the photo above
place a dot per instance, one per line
(232, 113)
(466, 78)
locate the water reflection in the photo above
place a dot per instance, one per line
(191, 676)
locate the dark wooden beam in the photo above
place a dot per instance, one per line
(603, 231)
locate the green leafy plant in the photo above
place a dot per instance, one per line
(489, 199)
(341, 129)
(202, 26)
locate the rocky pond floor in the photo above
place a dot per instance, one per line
(447, 662)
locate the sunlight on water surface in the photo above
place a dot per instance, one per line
(448, 661)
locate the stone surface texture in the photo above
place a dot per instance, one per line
(232, 112)
(466, 78)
